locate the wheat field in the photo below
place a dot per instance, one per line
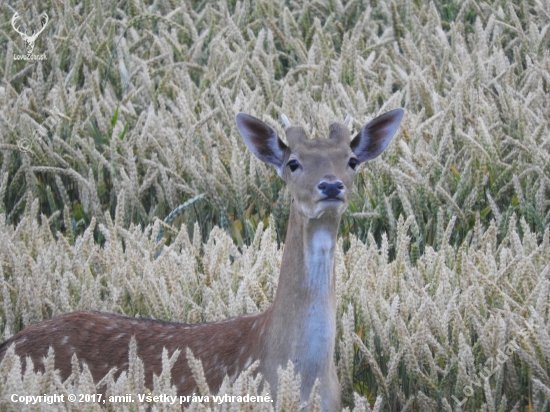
(125, 187)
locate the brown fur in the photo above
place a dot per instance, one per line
(101, 340)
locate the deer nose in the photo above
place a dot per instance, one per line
(331, 189)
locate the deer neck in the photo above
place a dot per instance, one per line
(302, 323)
(308, 259)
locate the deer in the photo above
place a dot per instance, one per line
(300, 324)
(29, 40)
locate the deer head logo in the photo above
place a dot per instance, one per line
(29, 40)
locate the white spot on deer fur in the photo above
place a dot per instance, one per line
(182, 379)
(91, 324)
(65, 340)
(106, 366)
(248, 363)
(72, 349)
(254, 324)
(120, 335)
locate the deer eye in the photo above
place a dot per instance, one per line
(293, 164)
(353, 163)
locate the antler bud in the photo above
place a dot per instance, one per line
(285, 120)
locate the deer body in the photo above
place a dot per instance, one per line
(101, 340)
(300, 326)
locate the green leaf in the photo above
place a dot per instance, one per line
(123, 132)
(485, 211)
(96, 134)
(115, 117)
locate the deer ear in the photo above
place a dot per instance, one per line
(375, 136)
(262, 140)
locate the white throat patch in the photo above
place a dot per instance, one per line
(319, 261)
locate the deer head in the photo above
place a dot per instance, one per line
(319, 172)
